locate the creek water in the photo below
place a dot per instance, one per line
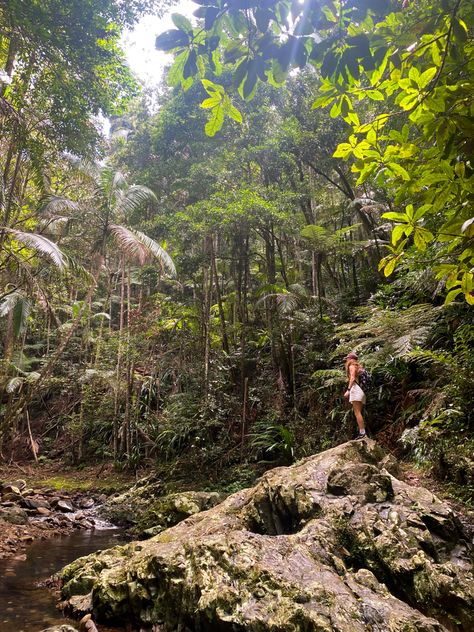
(23, 606)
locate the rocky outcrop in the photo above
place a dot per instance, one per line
(334, 542)
(146, 511)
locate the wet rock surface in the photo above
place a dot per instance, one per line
(28, 514)
(334, 542)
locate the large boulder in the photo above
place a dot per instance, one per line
(333, 542)
(147, 511)
(13, 515)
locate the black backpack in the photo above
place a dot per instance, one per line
(364, 380)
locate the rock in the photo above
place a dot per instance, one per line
(12, 497)
(60, 628)
(20, 484)
(86, 503)
(64, 505)
(66, 519)
(390, 463)
(13, 515)
(125, 509)
(360, 479)
(314, 547)
(144, 507)
(43, 511)
(86, 624)
(83, 523)
(26, 538)
(10, 488)
(168, 510)
(36, 503)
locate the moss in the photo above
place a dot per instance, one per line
(60, 483)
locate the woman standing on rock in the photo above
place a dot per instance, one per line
(354, 393)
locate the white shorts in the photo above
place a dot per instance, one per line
(356, 394)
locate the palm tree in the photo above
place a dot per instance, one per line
(109, 207)
(114, 202)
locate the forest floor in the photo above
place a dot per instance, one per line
(90, 485)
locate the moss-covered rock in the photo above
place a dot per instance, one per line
(146, 511)
(332, 543)
(126, 508)
(167, 511)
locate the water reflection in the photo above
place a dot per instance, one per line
(27, 608)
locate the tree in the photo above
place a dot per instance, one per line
(415, 59)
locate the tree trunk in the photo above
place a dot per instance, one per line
(225, 340)
(207, 292)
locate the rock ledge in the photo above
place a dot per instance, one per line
(334, 542)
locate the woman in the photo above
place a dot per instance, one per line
(354, 393)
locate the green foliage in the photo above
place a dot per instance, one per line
(271, 439)
(375, 53)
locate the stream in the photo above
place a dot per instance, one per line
(23, 606)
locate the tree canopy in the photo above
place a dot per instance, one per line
(415, 60)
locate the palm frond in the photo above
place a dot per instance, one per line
(269, 288)
(134, 198)
(77, 270)
(55, 205)
(8, 302)
(287, 303)
(20, 316)
(20, 305)
(142, 247)
(100, 316)
(299, 290)
(56, 225)
(119, 181)
(41, 244)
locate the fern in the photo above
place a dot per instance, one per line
(384, 332)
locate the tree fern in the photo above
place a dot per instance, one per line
(384, 331)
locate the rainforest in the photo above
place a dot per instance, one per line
(185, 266)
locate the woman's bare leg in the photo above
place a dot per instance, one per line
(357, 408)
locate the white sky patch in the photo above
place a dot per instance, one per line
(139, 45)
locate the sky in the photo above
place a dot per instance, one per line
(139, 44)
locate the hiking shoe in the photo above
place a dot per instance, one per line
(361, 435)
